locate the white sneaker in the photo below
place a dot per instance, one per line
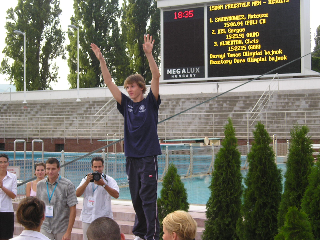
(138, 238)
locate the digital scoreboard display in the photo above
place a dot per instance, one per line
(184, 43)
(231, 39)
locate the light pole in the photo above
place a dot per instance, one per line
(24, 62)
(77, 28)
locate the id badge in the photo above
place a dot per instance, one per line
(91, 202)
(49, 211)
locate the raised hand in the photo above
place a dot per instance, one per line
(148, 44)
(96, 51)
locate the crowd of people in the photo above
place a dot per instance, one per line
(49, 209)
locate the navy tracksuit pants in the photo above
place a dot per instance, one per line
(143, 177)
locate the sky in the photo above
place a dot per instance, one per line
(67, 12)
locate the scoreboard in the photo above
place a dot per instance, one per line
(221, 39)
(183, 43)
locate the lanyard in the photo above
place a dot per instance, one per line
(50, 197)
(94, 188)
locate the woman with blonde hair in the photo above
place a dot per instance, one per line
(179, 225)
(40, 172)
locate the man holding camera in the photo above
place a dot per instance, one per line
(97, 189)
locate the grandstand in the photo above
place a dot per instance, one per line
(56, 118)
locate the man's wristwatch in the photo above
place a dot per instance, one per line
(104, 185)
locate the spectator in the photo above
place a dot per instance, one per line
(96, 195)
(31, 214)
(179, 225)
(8, 191)
(104, 228)
(59, 195)
(40, 172)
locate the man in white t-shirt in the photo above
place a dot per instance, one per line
(96, 194)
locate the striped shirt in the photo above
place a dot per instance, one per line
(63, 197)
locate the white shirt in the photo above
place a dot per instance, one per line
(96, 200)
(29, 234)
(10, 183)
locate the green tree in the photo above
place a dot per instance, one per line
(299, 165)
(140, 17)
(316, 50)
(39, 20)
(296, 226)
(223, 206)
(315, 56)
(173, 195)
(98, 22)
(315, 63)
(262, 194)
(310, 201)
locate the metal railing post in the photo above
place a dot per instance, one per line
(64, 130)
(212, 160)
(27, 129)
(213, 125)
(165, 128)
(90, 129)
(77, 130)
(115, 165)
(167, 159)
(248, 130)
(103, 155)
(191, 161)
(32, 148)
(166, 165)
(62, 162)
(107, 163)
(305, 118)
(15, 148)
(276, 152)
(248, 150)
(39, 124)
(288, 145)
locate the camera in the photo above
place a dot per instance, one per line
(96, 176)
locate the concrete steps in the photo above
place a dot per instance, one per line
(124, 215)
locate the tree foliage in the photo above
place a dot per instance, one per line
(141, 17)
(299, 165)
(173, 195)
(315, 56)
(296, 226)
(262, 194)
(39, 20)
(316, 50)
(310, 201)
(315, 63)
(223, 206)
(98, 22)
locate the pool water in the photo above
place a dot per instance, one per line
(197, 187)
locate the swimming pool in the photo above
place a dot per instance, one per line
(197, 187)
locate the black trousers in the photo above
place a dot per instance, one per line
(143, 177)
(6, 225)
